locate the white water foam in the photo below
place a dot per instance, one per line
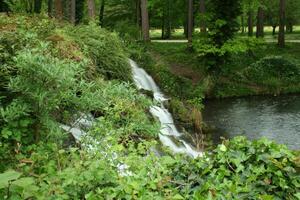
(168, 131)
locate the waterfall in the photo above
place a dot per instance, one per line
(169, 135)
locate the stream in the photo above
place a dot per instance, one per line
(276, 118)
(169, 135)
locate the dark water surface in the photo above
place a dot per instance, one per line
(276, 118)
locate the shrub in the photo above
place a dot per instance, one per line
(230, 49)
(242, 169)
(105, 50)
(273, 67)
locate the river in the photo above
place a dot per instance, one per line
(276, 118)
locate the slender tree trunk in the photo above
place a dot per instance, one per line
(281, 36)
(91, 8)
(30, 7)
(145, 20)
(274, 30)
(138, 17)
(250, 23)
(163, 26)
(79, 10)
(73, 12)
(260, 23)
(202, 20)
(190, 22)
(289, 27)
(58, 9)
(101, 15)
(37, 6)
(169, 26)
(50, 5)
(243, 24)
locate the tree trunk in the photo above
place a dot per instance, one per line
(169, 26)
(260, 23)
(166, 20)
(101, 15)
(73, 11)
(243, 24)
(37, 6)
(281, 35)
(79, 10)
(190, 23)
(202, 20)
(91, 8)
(50, 2)
(163, 26)
(250, 23)
(289, 27)
(145, 20)
(58, 9)
(274, 30)
(30, 7)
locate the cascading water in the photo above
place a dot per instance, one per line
(168, 133)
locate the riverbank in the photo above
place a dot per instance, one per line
(234, 80)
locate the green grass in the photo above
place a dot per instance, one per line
(179, 33)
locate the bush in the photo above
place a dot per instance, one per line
(105, 50)
(229, 50)
(240, 169)
(274, 67)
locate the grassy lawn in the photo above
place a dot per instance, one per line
(179, 33)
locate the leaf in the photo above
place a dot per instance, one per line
(24, 182)
(266, 197)
(8, 176)
(223, 147)
(297, 195)
(177, 197)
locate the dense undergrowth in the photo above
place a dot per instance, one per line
(52, 73)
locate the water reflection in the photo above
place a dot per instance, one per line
(277, 118)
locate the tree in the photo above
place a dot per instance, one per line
(4, 7)
(37, 6)
(223, 23)
(281, 36)
(91, 9)
(272, 17)
(166, 20)
(50, 6)
(260, 22)
(250, 23)
(145, 20)
(79, 4)
(73, 11)
(101, 14)
(190, 22)
(202, 16)
(243, 23)
(292, 14)
(58, 9)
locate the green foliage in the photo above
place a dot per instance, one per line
(223, 20)
(276, 73)
(242, 169)
(101, 46)
(231, 48)
(45, 86)
(275, 67)
(127, 30)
